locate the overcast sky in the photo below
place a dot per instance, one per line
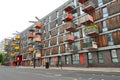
(16, 14)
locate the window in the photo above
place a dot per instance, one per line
(114, 56)
(81, 12)
(100, 2)
(104, 26)
(76, 46)
(75, 15)
(49, 18)
(110, 39)
(57, 14)
(66, 59)
(76, 34)
(100, 57)
(52, 61)
(75, 58)
(105, 12)
(56, 23)
(90, 60)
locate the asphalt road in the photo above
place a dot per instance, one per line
(12, 73)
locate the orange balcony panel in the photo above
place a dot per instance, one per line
(67, 17)
(69, 38)
(38, 25)
(38, 39)
(87, 19)
(31, 36)
(82, 1)
(88, 6)
(69, 8)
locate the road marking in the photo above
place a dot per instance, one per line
(58, 75)
(102, 79)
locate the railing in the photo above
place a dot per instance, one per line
(88, 4)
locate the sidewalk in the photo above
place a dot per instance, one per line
(78, 69)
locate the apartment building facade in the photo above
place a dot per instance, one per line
(80, 33)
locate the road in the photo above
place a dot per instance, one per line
(13, 73)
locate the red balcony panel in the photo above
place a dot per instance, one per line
(82, 1)
(69, 38)
(38, 25)
(87, 19)
(88, 6)
(70, 26)
(31, 36)
(67, 17)
(69, 8)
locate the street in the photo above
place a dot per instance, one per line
(15, 73)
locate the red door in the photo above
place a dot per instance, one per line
(81, 58)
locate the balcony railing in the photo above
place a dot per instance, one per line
(87, 19)
(69, 38)
(17, 37)
(67, 17)
(38, 32)
(69, 7)
(89, 45)
(70, 26)
(91, 30)
(88, 6)
(82, 1)
(38, 39)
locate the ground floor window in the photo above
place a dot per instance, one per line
(100, 57)
(51, 61)
(90, 60)
(114, 56)
(75, 59)
(66, 59)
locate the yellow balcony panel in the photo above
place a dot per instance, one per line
(17, 48)
(12, 54)
(17, 38)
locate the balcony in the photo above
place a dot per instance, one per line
(30, 42)
(67, 17)
(17, 48)
(91, 30)
(13, 44)
(88, 6)
(17, 37)
(69, 38)
(38, 25)
(31, 35)
(31, 49)
(70, 26)
(38, 32)
(31, 30)
(90, 45)
(87, 19)
(38, 39)
(82, 1)
(69, 8)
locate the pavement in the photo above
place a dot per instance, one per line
(98, 69)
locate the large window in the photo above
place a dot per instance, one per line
(75, 59)
(110, 39)
(105, 12)
(100, 57)
(81, 12)
(52, 61)
(114, 56)
(100, 2)
(90, 60)
(104, 26)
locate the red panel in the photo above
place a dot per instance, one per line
(81, 58)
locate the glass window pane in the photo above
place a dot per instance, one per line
(105, 12)
(104, 26)
(100, 2)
